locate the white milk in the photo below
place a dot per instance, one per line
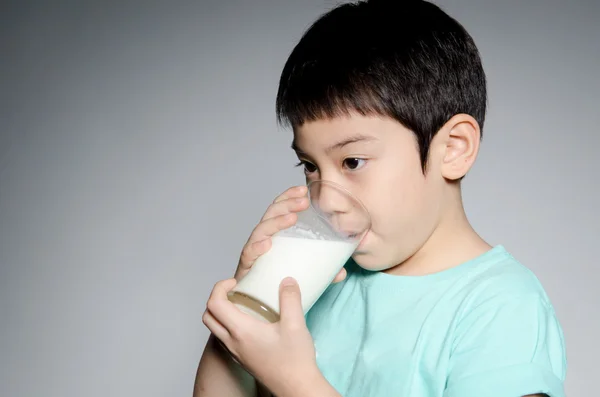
(313, 263)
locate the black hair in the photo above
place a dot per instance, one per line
(405, 59)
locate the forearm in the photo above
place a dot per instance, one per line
(323, 390)
(314, 386)
(218, 375)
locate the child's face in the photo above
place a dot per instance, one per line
(377, 159)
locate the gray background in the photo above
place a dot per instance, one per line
(133, 167)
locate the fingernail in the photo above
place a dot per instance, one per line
(288, 282)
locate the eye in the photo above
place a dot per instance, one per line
(309, 168)
(354, 163)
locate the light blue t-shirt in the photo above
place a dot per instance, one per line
(482, 329)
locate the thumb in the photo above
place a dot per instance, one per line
(341, 276)
(290, 303)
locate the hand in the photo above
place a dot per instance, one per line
(280, 215)
(280, 355)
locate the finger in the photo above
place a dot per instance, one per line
(341, 276)
(294, 204)
(271, 226)
(223, 285)
(231, 354)
(259, 241)
(296, 191)
(290, 303)
(215, 327)
(212, 323)
(252, 251)
(221, 308)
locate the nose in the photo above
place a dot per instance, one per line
(330, 200)
(344, 213)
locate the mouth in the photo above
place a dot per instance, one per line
(360, 248)
(352, 234)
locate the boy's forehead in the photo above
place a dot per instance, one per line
(303, 145)
(335, 133)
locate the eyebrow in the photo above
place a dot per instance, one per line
(338, 145)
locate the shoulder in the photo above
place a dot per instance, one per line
(502, 279)
(506, 335)
(504, 299)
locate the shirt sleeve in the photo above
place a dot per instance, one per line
(507, 348)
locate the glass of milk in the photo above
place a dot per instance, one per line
(312, 251)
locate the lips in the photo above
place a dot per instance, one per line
(362, 243)
(349, 228)
(351, 234)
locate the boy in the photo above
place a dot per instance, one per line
(388, 98)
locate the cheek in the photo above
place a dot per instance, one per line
(401, 195)
(400, 207)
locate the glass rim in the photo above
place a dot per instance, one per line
(345, 191)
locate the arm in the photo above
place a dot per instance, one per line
(218, 375)
(318, 388)
(280, 355)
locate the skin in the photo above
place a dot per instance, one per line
(418, 227)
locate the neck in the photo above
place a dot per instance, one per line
(453, 242)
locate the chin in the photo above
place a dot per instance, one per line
(364, 254)
(368, 261)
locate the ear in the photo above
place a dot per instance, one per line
(461, 146)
